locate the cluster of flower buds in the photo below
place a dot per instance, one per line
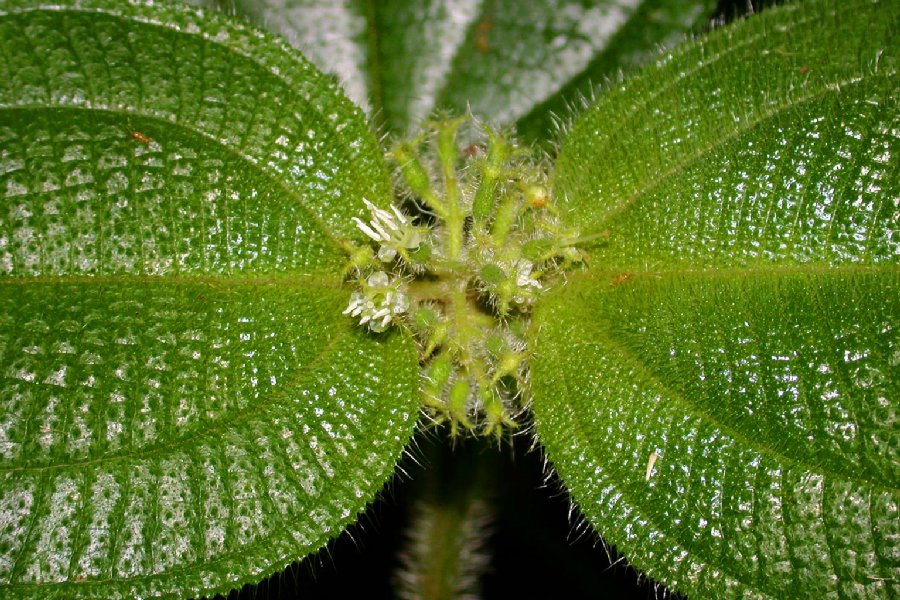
(464, 283)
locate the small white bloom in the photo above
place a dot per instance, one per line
(393, 230)
(379, 302)
(357, 304)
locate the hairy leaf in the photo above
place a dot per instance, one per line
(719, 391)
(508, 61)
(183, 408)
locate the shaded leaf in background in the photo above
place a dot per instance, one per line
(740, 319)
(507, 60)
(182, 405)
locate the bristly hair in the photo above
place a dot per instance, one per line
(462, 543)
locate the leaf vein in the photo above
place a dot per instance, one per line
(603, 340)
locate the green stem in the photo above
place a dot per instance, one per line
(444, 556)
(504, 220)
(483, 204)
(455, 218)
(417, 179)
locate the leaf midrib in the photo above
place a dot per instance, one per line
(440, 92)
(373, 61)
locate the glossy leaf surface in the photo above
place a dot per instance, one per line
(719, 391)
(183, 408)
(509, 61)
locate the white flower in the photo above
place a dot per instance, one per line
(393, 230)
(379, 302)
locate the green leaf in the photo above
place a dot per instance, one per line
(627, 44)
(334, 36)
(183, 408)
(509, 61)
(719, 391)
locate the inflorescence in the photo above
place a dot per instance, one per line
(472, 241)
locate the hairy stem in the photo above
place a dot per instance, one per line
(444, 556)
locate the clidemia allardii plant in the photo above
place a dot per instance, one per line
(227, 303)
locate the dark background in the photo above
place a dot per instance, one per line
(540, 548)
